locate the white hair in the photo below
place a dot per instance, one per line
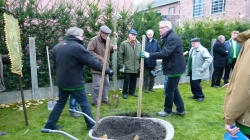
(150, 32)
(220, 37)
(166, 23)
(74, 31)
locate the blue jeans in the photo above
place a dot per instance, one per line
(73, 103)
(165, 84)
(80, 96)
(173, 96)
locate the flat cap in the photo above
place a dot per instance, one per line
(195, 39)
(105, 29)
(133, 31)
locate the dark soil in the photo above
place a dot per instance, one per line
(127, 128)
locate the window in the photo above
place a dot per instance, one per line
(171, 11)
(217, 6)
(198, 8)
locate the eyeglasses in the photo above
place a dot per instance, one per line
(162, 27)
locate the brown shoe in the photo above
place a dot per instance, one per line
(106, 102)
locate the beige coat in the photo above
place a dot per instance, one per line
(97, 48)
(237, 100)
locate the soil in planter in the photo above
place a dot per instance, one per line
(133, 114)
(127, 129)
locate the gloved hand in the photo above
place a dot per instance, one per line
(144, 54)
(109, 71)
(160, 67)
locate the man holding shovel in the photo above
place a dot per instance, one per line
(97, 47)
(70, 57)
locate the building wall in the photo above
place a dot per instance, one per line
(165, 9)
(233, 9)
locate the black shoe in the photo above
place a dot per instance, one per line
(134, 95)
(192, 97)
(95, 105)
(152, 90)
(125, 96)
(214, 86)
(200, 99)
(178, 113)
(146, 91)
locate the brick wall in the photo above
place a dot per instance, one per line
(233, 9)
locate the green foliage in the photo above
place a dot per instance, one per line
(208, 29)
(146, 20)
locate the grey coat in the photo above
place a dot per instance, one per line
(201, 60)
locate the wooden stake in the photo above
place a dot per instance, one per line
(141, 78)
(102, 80)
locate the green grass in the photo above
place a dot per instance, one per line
(203, 121)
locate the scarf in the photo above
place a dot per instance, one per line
(232, 51)
(133, 43)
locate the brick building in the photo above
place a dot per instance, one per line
(174, 10)
(230, 9)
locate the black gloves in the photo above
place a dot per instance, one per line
(109, 71)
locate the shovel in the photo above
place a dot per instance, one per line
(51, 103)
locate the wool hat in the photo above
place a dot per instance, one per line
(195, 39)
(133, 31)
(105, 29)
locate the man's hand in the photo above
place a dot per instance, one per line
(144, 54)
(232, 130)
(226, 85)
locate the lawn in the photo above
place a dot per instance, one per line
(203, 121)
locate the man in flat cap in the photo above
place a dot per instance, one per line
(97, 47)
(198, 68)
(129, 56)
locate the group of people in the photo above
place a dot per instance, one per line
(225, 55)
(70, 57)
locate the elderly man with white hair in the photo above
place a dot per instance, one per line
(70, 57)
(151, 45)
(173, 65)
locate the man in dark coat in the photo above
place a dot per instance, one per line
(151, 45)
(173, 65)
(70, 57)
(220, 56)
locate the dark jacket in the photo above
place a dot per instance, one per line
(152, 46)
(227, 46)
(70, 57)
(220, 54)
(173, 61)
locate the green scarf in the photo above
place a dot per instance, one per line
(232, 51)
